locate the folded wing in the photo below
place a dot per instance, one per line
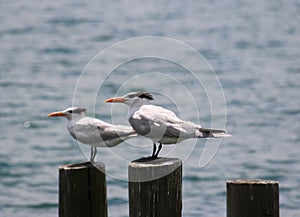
(101, 133)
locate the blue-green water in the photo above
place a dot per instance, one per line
(252, 45)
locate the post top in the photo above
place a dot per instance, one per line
(81, 166)
(153, 169)
(161, 161)
(251, 181)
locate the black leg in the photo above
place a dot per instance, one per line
(92, 153)
(154, 150)
(154, 155)
(159, 148)
(149, 158)
(95, 152)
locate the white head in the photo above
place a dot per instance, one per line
(70, 113)
(133, 98)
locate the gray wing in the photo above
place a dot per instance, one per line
(162, 125)
(101, 132)
(154, 121)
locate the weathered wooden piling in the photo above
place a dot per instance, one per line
(252, 198)
(82, 190)
(155, 188)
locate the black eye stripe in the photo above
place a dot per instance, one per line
(75, 110)
(146, 95)
(142, 95)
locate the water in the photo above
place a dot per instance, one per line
(252, 45)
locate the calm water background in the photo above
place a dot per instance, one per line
(252, 45)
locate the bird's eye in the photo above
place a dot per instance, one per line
(71, 112)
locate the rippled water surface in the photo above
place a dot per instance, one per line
(253, 46)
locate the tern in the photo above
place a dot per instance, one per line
(92, 131)
(159, 124)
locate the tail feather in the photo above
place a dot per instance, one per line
(214, 133)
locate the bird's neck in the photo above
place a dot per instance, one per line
(72, 121)
(136, 105)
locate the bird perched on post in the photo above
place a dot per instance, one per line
(92, 131)
(159, 124)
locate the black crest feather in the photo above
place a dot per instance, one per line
(142, 95)
(146, 96)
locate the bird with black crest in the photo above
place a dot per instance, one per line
(159, 124)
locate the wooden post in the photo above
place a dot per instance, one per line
(155, 188)
(82, 190)
(252, 198)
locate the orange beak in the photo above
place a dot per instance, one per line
(116, 99)
(56, 114)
